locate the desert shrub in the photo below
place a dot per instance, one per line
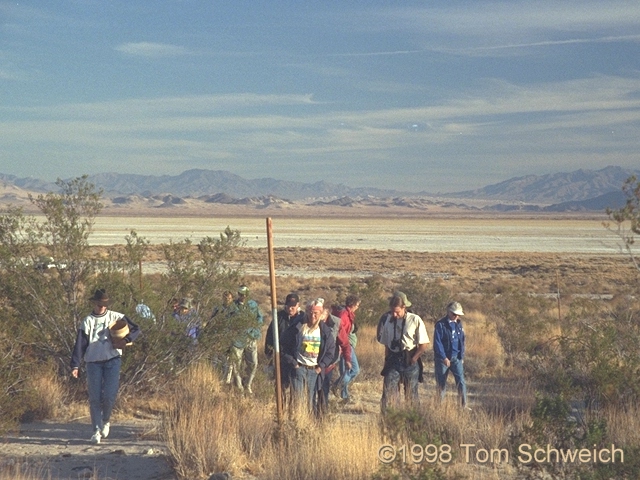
(199, 272)
(555, 422)
(45, 394)
(374, 299)
(627, 218)
(525, 324)
(48, 294)
(599, 352)
(43, 270)
(45, 300)
(323, 450)
(443, 425)
(429, 298)
(12, 404)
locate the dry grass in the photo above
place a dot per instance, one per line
(624, 424)
(208, 431)
(484, 353)
(326, 451)
(48, 397)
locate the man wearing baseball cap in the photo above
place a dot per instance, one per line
(448, 349)
(289, 315)
(245, 346)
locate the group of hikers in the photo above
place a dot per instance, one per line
(313, 343)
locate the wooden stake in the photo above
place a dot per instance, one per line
(274, 315)
(558, 288)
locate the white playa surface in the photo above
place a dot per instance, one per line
(408, 234)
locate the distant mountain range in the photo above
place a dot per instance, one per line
(573, 186)
(571, 191)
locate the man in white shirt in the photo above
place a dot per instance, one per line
(405, 338)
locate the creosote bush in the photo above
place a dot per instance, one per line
(47, 274)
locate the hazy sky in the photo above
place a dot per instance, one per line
(439, 95)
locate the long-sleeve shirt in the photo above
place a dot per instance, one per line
(443, 339)
(93, 342)
(284, 322)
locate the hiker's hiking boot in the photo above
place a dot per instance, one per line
(105, 430)
(96, 437)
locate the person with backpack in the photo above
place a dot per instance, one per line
(349, 366)
(405, 339)
(448, 350)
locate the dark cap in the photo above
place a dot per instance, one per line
(292, 300)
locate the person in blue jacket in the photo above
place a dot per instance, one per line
(448, 349)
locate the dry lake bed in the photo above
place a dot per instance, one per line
(534, 235)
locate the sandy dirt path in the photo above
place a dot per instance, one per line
(132, 451)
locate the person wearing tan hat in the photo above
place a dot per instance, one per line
(101, 349)
(448, 350)
(405, 339)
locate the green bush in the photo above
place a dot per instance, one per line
(47, 274)
(599, 348)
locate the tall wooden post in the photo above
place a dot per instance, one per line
(274, 316)
(558, 290)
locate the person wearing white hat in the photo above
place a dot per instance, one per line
(448, 349)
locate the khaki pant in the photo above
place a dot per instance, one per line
(234, 363)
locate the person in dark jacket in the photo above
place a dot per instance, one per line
(308, 348)
(448, 349)
(289, 315)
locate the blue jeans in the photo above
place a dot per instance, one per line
(396, 372)
(457, 370)
(103, 381)
(347, 376)
(305, 384)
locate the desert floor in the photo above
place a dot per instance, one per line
(134, 449)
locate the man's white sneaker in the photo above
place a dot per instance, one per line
(96, 437)
(105, 430)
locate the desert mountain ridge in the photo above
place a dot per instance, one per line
(580, 190)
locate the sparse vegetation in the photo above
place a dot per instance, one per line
(627, 218)
(540, 371)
